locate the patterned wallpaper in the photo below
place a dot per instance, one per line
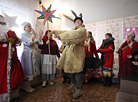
(130, 22)
(100, 28)
(91, 27)
(114, 27)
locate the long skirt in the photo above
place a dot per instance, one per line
(48, 69)
(107, 72)
(92, 69)
(126, 67)
(29, 64)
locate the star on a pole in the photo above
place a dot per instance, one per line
(46, 14)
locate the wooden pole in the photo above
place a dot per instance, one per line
(48, 39)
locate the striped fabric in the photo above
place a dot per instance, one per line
(107, 72)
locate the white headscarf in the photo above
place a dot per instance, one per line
(23, 25)
(132, 34)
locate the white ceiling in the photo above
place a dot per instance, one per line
(95, 10)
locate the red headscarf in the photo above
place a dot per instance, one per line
(46, 36)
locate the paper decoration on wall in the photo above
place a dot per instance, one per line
(11, 20)
(47, 14)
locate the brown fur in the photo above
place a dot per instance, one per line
(73, 57)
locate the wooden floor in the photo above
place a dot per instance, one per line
(93, 92)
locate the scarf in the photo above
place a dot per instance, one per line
(34, 46)
(87, 42)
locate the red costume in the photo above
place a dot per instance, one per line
(107, 50)
(17, 74)
(92, 50)
(125, 64)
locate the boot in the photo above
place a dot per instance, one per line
(27, 86)
(4, 97)
(14, 94)
(65, 79)
(44, 84)
(109, 82)
(68, 80)
(105, 81)
(71, 87)
(77, 93)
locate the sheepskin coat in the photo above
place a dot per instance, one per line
(73, 56)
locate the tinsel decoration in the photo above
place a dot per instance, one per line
(9, 63)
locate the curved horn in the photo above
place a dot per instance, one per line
(80, 15)
(73, 13)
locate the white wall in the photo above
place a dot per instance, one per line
(95, 10)
(24, 10)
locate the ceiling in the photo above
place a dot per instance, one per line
(95, 10)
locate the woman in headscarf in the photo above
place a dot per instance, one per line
(48, 61)
(90, 52)
(107, 50)
(125, 64)
(28, 59)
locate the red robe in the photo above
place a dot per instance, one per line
(125, 64)
(107, 50)
(93, 50)
(17, 74)
(109, 55)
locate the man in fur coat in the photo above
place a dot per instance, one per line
(73, 56)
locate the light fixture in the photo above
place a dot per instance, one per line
(128, 29)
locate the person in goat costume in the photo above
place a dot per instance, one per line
(73, 56)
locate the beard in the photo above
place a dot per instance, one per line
(4, 28)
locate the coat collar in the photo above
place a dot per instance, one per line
(79, 26)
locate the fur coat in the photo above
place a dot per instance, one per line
(73, 56)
